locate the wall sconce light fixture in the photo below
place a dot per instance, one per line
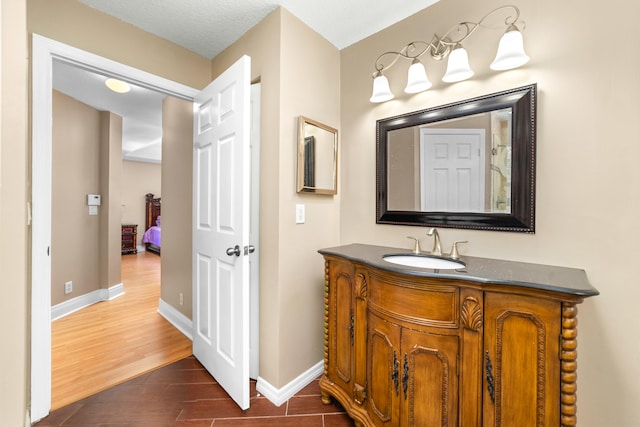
(510, 55)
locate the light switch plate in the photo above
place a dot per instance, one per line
(93, 210)
(299, 214)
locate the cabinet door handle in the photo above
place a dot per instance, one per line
(394, 374)
(405, 376)
(489, 375)
(351, 326)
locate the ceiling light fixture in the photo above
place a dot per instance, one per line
(117, 86)
(510, 55)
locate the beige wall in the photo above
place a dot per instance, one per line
(111, 189)
(177, 178)
(588, 179)
(75, 235)
(138, 179)
(86, 159)
(14, 315)
(299, 72)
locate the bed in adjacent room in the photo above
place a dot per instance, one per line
(152, 234)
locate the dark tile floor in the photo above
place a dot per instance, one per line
(184, 394)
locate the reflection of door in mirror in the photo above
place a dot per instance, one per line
(452, 170)
(309, 161)
(317, 157)
(449, 166)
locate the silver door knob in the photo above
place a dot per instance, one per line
(249, 249)
(234, 251)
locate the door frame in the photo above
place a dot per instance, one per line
(44, 51)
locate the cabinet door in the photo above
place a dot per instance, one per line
(384, 370)
(522, 366)
(341, 354)
(429, 379)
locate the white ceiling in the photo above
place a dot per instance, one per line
(207, 27)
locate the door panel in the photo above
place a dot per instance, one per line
(431, 377)
(385, 371)
(521, 340)
(341, 358)
(221, 229)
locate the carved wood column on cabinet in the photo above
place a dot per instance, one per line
(569, 365)
(326, 398)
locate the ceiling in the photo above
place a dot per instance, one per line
(207, 27)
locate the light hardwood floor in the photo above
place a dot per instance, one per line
(113, 341)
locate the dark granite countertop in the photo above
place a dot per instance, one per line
(482, 270)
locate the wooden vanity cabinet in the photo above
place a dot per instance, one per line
(346, 335)
(405, 350)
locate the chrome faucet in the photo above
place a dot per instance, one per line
(437, 247)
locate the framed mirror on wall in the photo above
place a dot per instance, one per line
(317, 157)
(470, 164)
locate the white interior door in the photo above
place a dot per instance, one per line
(221, 168)
(452, 170)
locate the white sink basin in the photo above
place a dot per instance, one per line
(423, 261)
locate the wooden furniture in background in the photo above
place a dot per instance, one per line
(152, 211)
(129, 239)
(409, 350)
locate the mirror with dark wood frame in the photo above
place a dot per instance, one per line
(469, 164)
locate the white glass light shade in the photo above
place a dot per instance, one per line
(417, 80)
(458, 66)
(510, 51)
(381, 91)
(117, 86)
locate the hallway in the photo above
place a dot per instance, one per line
(113, 341)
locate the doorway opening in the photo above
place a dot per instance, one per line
(44, 52)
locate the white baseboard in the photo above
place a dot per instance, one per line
(280, 396)
(78, 303)
(177, 319)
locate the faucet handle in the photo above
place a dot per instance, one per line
(454, 249)
(416, 247)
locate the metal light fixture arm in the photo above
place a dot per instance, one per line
(440, 47)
